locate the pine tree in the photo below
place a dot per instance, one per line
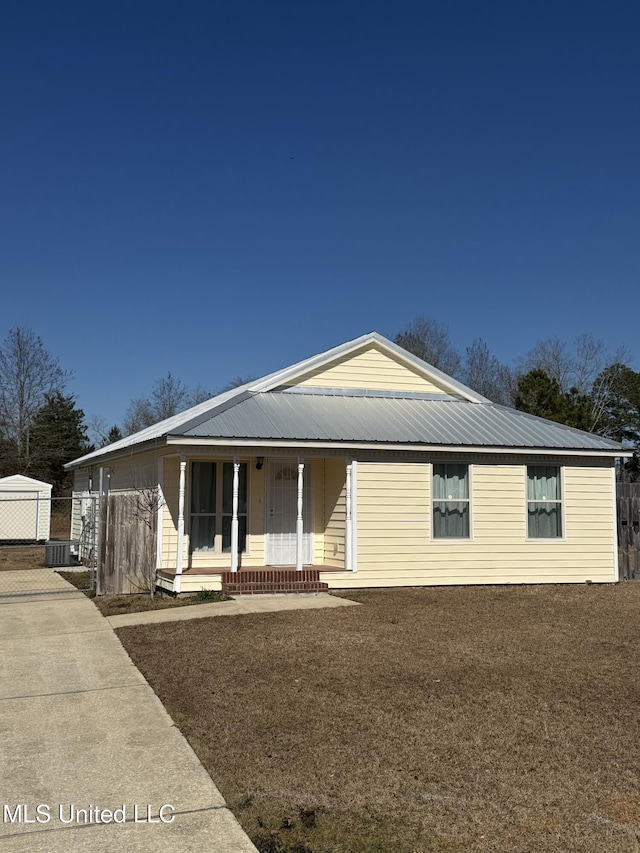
(541, 395)
(58, 435)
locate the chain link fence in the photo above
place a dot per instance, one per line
(47, 545)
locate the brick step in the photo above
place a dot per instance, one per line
(266, 588)
(253, 582)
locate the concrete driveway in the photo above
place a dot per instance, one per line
(89, 758)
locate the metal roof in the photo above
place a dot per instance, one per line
(263, 409)
(389, 420)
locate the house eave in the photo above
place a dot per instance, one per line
(195, 441)
(104, 458)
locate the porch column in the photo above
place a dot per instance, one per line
(299, 523)
(354, 515)
(234, 514)
(159, 513)
(179, 556)
(348, 529)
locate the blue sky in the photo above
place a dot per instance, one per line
(224, 188)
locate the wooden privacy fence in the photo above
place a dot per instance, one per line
(127, 560)
(628, 497)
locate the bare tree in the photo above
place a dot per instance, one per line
(429, 340)
(553, 357)
(485, 374)
(573, 367)
(169, 396)
(589, 361)
(608, 393)
(236, 382)
(139, 414)
(28, 373)
(199, 394)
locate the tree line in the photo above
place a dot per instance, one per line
(582, 385)
(41, 428)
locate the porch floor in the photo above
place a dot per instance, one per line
(222, 570)
(262, 579)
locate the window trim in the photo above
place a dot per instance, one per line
(469, 500)
(561, 501)
(217, 552)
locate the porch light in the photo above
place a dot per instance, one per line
(259, 462)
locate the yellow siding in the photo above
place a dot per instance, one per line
(194, 583)
(191, 583)
(170, 489)
(318, 510)
(136, 472)
(334, 512)
(373, 369)
(394, 541)
(256, 520)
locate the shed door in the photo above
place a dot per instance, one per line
(282, 509)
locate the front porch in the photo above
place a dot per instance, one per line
(254, 524)
(252, 581)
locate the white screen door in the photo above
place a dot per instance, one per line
(282, 509)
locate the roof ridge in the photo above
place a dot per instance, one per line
(337, 391)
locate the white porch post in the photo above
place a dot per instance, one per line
(159, 518)
(354, 515)
(234, 514)
(348, 530)
(614, 498)
(299, 523)
(179, 556)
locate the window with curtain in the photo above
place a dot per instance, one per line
(212, 506)
(544, 502)
(203, 506)
(450, 490)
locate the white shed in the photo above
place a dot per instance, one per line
(25, 509)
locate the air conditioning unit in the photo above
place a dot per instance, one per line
(58, 553)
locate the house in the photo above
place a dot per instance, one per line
(25, 509)
(365, 467)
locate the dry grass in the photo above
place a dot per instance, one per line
(60, 521)
(81, 580)
(19, 557)
(112, 605)
(446, 719)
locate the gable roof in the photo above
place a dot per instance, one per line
(21, 480)
(267, 409)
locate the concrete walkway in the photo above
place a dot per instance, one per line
(242, 605)
(82, 732)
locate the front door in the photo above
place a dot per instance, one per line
(282, 510)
